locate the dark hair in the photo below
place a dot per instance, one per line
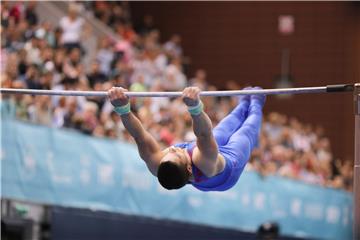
(172, 175)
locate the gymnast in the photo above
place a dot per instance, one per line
(216, 160)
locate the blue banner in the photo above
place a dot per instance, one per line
(63, 167)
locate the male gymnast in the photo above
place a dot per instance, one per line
(216, 160)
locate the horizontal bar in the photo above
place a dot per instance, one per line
(302, 90)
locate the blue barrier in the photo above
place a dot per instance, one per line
(66, 168)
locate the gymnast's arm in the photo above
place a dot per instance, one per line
(206, 143)
(149, 149)
(202, 127)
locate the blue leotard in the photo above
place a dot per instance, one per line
(236, 136)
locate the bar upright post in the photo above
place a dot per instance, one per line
(356, 181)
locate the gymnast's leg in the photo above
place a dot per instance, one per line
(244, 139)
(227, 126)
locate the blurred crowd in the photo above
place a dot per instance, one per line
(296, 150)
(39, 55)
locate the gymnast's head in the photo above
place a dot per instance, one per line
(175, 168)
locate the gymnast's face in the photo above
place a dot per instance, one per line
(178, 155)
(174, 170)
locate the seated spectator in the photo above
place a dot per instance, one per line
(95, 75)
(152, 40)
(44, 31)
(73, 27)
(199, 80)
(158, 60)
(33, 50)
(72, 66)
(57, 38)
(125, 30)
(21, 102)
(101, 10)
(145, 67)
(105, 55)
(174, 78)
(22, 63)
(88, 118)
(117, 15)
(40, 111)
(146, 26)
(273, 126)
(59, 113)
(173, 46)
(5, 15)
(30, 14)
(32, 79)
(46, 79)
(17, 11)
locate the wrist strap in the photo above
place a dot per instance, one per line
(123, 109)
(196, 110)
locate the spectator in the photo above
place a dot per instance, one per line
(59, 113)
(174, 79)
(32, 77)
(138, 85)
(105, 55)
(152, 40)
(72, 27)
(17, 11)
(21, 102)
(95, 75)
(40, 111)
(22, 65)
(88, 118)
(71, 116)
(125, 30)
(72, 66)
(145, 67)
(146, 26)
(273, 127)
(33, 50)
(117, 16)
(5, 14)
(199, 80)
(45, 32)
(173, 46)
(159, 60)
(57, 38)
(30, 14)
(101, 10)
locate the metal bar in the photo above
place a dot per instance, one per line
(323, 89)
(356, 181)
(167, 94)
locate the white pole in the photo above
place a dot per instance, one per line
(331, 88)
(356, 181)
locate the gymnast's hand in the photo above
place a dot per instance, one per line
(191, 96)
(117, 96)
